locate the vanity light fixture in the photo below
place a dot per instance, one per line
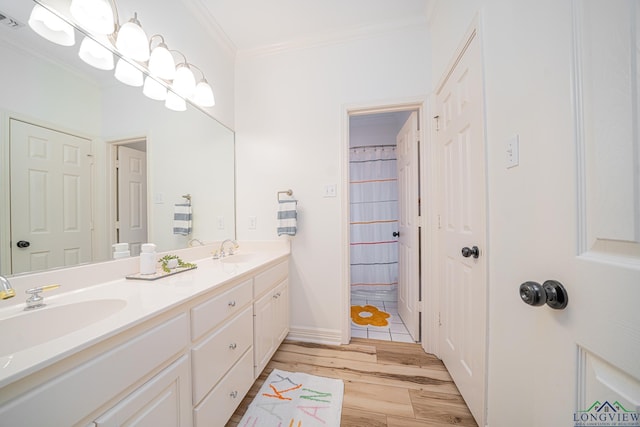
(99, 18)
(131, 40)
(175, 102)
(95, 54)
(154, 89)
(128, 74)
(50, 26)
(161, 62)
(96, 16)
(203, 94)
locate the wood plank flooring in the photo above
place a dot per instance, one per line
(387, 384)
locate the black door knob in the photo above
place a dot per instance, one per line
(396, 234)
(23, 244)
(467, 252)
(550, 292)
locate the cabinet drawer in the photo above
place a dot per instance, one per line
(213, 357)
(210, 313)
(221, 403)
(268, 279)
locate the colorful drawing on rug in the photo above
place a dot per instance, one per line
(287, 400)
(369, 315)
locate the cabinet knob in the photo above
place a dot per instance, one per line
(232, 303)
(233, 346)
(233, 394)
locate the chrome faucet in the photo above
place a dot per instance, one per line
(221, 251)
(6, 291)
(35, 300)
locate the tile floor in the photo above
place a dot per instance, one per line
(394, 331)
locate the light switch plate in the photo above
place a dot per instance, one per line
(513, 152)
(330, 190)
(252, 222)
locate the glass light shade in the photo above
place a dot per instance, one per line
(128, 74)
(175, 102)
(51, 27)
(93, 15)
(154, 90)
(96, 55)
(161, 63)
(203, 95)
(184, 82)
(132, 41)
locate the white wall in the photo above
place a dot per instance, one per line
(289, 111)
(527, 65)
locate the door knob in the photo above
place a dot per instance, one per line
(467, 252)
(396, 234)
(23, 244)
(550, 292)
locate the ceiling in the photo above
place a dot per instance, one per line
(256, 24)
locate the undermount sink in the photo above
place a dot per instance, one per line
(239, 258)
(31, 328)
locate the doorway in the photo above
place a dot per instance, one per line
(382, 258)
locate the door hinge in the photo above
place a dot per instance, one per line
(439, 320)
(439, 222)
(437, 119)
(117, 225)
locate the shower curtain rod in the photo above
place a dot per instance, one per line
(373, 146)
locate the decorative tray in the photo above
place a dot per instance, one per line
(159, 274)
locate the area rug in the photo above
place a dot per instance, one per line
(369, 315)
(294, 399)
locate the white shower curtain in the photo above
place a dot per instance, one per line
(374, 218)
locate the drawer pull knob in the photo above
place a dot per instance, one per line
(233, 346)
(232, 303)
(233, 394)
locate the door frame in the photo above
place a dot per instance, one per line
(422, 106)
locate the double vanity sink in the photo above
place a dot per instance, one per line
(81, 325)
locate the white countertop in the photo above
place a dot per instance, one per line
(143, 300)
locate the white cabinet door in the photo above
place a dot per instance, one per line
(263, 340)
(163, 401)
(281, 312)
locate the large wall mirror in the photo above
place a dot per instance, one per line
(137, 159)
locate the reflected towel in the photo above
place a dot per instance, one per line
(182, 219)
(287, 217)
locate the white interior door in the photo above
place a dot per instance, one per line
(132, 198)
(462, 219)
(591, 349)
(50, 198)
(408, 241)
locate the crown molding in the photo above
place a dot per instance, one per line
(334, 37)
(202, 14)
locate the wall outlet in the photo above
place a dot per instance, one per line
(252, 222)
(220, 223)
(158, 198)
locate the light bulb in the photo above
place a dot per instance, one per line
(154, 89)
(93, 15)
(203, 95)
(175, 102)
(128, 74)
(50, 26)
(95, 54)
(161, 63)
(132, 41)
(184, 83)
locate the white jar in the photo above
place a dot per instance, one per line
(148, 258)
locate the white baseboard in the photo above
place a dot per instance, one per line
(315, 335)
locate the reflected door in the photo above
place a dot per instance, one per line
(50, 198)
(132, 198)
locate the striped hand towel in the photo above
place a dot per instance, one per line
(182, 219)
(287, 217)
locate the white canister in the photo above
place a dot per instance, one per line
(148, 258)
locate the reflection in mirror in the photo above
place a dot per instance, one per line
(65, 127)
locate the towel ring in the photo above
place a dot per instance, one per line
(287, 192)
(187, 197)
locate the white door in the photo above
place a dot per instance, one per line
(132, 198)
(591, 350)
(408, 241)
(462, 218)
(50, 198)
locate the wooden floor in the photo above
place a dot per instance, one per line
(386, 383)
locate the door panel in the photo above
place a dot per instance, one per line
(460, 144)
(132, 198)
(408, 243)
(50, 198)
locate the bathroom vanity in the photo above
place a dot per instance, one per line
(179, 351)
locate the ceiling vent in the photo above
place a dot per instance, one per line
(8, 21)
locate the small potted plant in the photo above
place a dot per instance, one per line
(170, 262)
